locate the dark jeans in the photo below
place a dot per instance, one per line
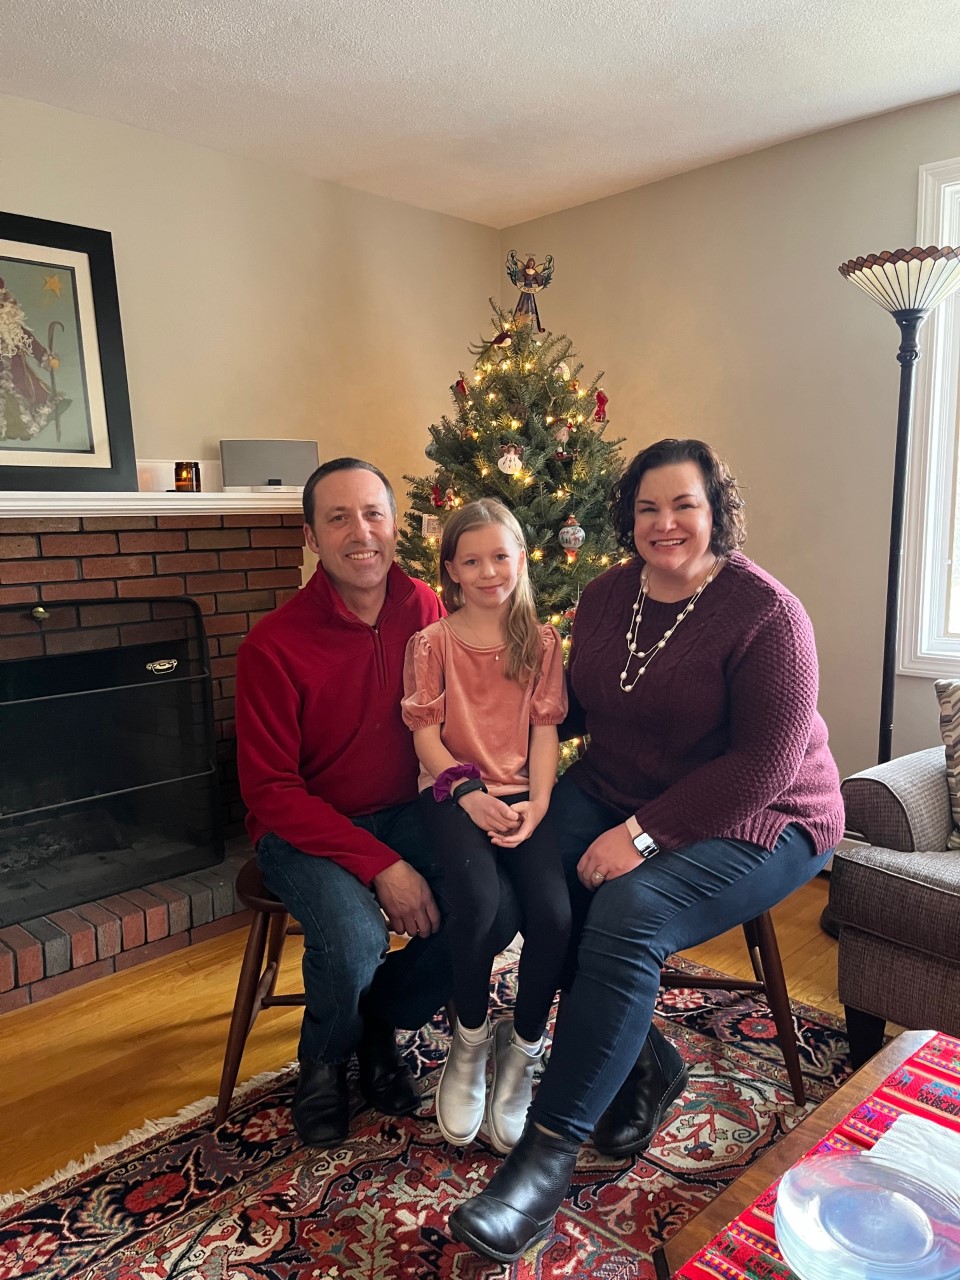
(471, 864)
(630, 925)
(346, 938)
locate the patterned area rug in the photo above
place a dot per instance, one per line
(249, 1202)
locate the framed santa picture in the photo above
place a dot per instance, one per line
(64, 405)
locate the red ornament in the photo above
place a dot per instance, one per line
(436, 498)
(460, 386)
(602, 402)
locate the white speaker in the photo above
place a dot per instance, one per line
(267, 464)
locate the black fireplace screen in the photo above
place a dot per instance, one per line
(107, 756)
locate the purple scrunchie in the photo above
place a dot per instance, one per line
(456, 773)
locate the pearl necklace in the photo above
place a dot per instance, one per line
(645, 657)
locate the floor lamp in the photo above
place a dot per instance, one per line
(908, 283)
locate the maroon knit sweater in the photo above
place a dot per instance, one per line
(721, 737)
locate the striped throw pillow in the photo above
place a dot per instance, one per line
(948, 692)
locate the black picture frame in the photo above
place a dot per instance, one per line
(108, 461)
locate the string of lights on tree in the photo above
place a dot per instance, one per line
(527, 429)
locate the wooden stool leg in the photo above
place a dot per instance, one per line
(775, 989)
(240, 1021)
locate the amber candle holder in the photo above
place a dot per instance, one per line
(186, 477)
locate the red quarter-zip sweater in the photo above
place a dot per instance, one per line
(320, 738)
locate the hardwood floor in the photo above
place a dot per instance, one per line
(87, 1066)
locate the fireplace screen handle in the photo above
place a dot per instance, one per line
(162, 666)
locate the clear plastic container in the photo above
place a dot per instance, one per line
(852, 1217)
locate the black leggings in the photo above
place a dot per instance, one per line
(471, 886)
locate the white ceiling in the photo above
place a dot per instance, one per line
(490, 110)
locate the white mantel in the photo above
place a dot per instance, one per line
(152, 498)
(36, 505)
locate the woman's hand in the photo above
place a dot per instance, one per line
(489, 813)
(612, 854)
(531, 814)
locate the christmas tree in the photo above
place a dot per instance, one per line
(527, 431)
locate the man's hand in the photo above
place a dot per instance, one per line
(490, 814)
(531, 816)
(406, 900)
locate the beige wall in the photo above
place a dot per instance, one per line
(257, 302)
(713, 302)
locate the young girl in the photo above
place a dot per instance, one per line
(484, 695)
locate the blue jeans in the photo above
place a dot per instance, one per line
(630, 925)
(346, 939)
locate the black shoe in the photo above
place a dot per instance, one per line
(656, 1079)
(385, 1079)
(321, 1108)
(518, 1206)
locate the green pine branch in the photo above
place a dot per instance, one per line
(518, 394)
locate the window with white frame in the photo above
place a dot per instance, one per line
(930, 600)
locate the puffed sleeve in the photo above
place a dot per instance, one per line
(423, 692)
(549, 702)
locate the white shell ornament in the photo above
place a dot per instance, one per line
(511, 461)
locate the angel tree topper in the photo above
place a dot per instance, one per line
(530, 278)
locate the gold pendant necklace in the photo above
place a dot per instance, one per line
(480, 644)
(645, 656)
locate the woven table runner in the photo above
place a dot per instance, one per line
(926, 1085)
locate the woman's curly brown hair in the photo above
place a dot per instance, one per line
(726, 503)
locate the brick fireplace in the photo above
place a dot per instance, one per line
(97, 569)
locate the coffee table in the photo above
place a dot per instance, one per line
(730, 1203)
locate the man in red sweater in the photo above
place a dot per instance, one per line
(329, 775)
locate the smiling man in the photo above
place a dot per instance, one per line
(329, 775)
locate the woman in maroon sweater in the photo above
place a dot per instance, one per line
(707, 793)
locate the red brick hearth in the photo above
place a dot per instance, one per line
(237, 567)
(55, 953)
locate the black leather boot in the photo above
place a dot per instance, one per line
(385, 1080)
(656, 1079)
(518, 1205)
(321, 1106)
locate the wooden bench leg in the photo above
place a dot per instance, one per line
(243, 1012)
(753, 948)
(775, 989)
(275, 940)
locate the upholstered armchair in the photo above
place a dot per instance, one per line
(896, 899)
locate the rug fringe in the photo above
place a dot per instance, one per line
(147, 1130)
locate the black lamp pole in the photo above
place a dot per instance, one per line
(909, 321)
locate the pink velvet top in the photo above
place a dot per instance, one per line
(485, 717)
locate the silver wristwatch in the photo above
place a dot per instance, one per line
(644, 843)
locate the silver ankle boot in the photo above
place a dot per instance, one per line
(512, 1088)
(462, 1089)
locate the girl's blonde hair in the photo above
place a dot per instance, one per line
(524, 650)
